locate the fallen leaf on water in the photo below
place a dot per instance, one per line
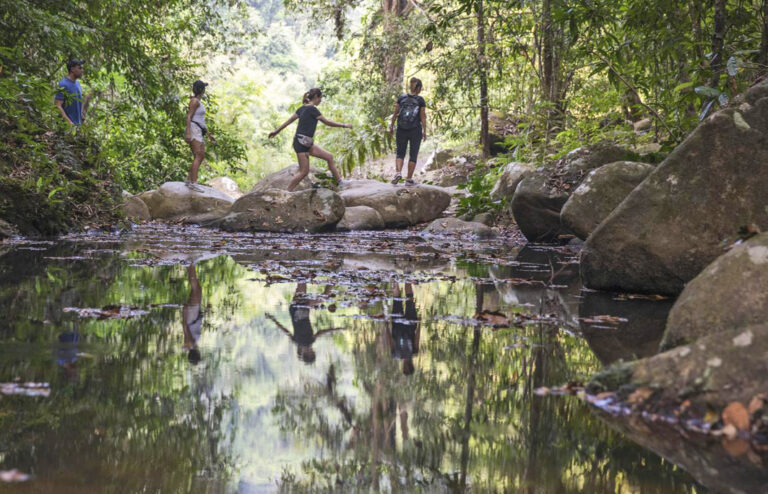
(107, 312)
(735, 447)
(496, 319)
(13, 476)
(736, 414)
(711, 417)
(640, 395)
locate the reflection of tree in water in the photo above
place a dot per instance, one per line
(472, 417)
(137, 417)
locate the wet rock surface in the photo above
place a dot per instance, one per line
(398, 205)
(678, 220)
(274, 210)
(599, 194)
(732, 292)
(540, 196)
(176, 201)
(455, 226)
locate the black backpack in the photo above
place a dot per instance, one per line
(410, 115)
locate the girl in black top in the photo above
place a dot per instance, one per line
(411, 115)
(303, 142)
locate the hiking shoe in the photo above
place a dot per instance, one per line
(397, 179)
(409, 182)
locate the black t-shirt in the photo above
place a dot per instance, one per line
(404, 325)
(419, 100)
(308, 115)
(302, 327)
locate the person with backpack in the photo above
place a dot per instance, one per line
(303, 142)
(196, 131)
(410, 113)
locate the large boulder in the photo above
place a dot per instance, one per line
(281, 178)
(227, 186)
(509, 179)
(711, 373)
(275, 210)
(599, 194)
(175, 201)
(398, 205)
(135, 209)
(455, 226)
(360, 218)
(540, 196)
(730, 292)
(677, 221)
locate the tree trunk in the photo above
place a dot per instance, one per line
(718, 37)
(394, 63)
(485, 141)
(551, 73)
(763, 58)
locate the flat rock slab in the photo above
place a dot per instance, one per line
(175, 201)
(275, 210)
(455, 226)
(730, 292)
(677, 220)
(360, 218)
(398, 205)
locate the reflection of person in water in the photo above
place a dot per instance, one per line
(67, 352)
(192, 316)
(404, 336)
(303, 335)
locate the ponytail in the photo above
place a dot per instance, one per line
(311, 94)
(415, 85)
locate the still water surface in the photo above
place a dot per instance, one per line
(181, 360)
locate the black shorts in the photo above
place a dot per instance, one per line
(405, 138)
(298, 147)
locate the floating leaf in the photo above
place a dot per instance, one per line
(640, 395)
(495, 319)
(736, 414)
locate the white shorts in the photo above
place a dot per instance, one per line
(195, 132)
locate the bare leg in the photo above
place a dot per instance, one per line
(303, 171)
(198, 151)
(411, 168)
(321, 153)
(398, 165)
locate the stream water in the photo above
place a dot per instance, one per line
(181, 360)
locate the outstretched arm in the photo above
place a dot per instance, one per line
(331, 123)
(285, 124)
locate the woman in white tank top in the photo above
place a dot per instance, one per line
(196, 131)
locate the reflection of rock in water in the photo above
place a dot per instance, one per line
(637, 337)
(554, 285)
(718, 466)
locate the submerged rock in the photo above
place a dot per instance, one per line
(622, 329)
(455, 226)
(360, 218)
(175, 201)
(540, 196)
(678, 220)
(227, 186)
(398, 205)
(730, 292)
(599, 194)
(274, 210)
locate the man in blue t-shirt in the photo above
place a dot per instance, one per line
(69, 99)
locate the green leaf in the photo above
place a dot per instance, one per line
(707, 92)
